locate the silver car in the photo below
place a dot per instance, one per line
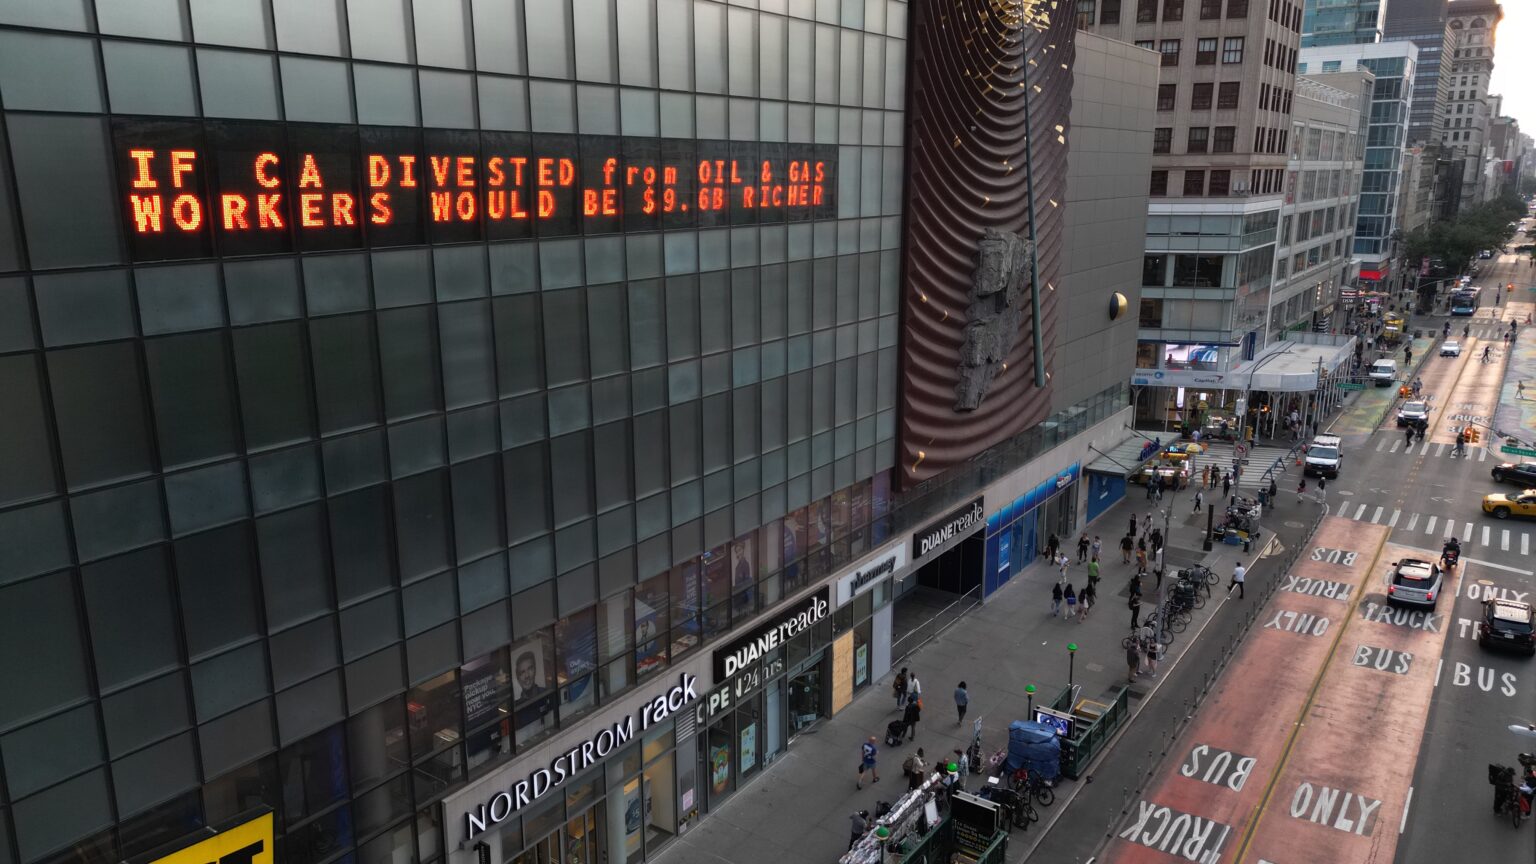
(1414, 583)
(1450, 348)
(1413, 413)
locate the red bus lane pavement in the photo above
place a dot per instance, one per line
(1305, 751)
(1341, 794)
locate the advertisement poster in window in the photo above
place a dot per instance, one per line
(743, 569)
(720, 768)
(532, 690)
(577, 638)
(650, 628)
(860, 665)
(748, 747)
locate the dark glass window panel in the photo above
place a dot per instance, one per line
(309, 707)
(526, 483)
(477, 508)
(607, 329)
(149, 79)
(42, 72)
(99, 401)
(270, 366)
(342, 358)
(149, 777)
(612, 470)
(327, 208)
(44, 753)
(358, 523)
(468, 364)
(428, 603)
(229, 681)
(218, 592)
(15, 297)
(67, 203)
(238, 84)
(682, 323)
(247, 787)
(293, 571)
(284, 478)
(409, 357)
(92, 306)
(377, 744)
(646, 324)
(236, 739)
(511, 205)
(303, 652)
(268, 223)
(714, 319)
(571, 466)
(178, 298)
(128, 602)
(189, 378)
(143, 713)
(163, 823)
(421, 512)
(565, 348)
(519, 344)
(32, 541)
(742, 204)
(650, 461)
(370, 625)
(26, 456)
(552, 194)
(395, 185)
(378, 675)
(63, 815)
(313, 773)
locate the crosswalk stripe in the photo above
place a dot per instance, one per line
(1392, 523)
(1485, 533)
(1376, 517)
(1359, 513)
(1380, 444)
(1482, 454)
(1525, 544)
(1504, 540)
(1430, 527)
(1439, 449)
(1450, 527)
(1468, 534)
(1413, 519)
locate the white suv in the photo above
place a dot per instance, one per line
(1324, 455)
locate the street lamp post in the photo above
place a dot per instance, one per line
(1029, 690)
(1071, 661)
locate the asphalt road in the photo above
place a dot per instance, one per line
(1419, 496)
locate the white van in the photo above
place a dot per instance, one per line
(1383, 372)
(1324, 455)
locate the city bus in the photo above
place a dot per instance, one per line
(1464, 301)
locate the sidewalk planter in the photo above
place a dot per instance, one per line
(1091, 736)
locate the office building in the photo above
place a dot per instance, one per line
(1387, 170)
(1436, 187)
(420, 416)
(1468, 112)
(1342, 22)
(1317, 221)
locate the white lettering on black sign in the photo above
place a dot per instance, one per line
(1193, 838)
(1338, 809)
(1317, 587)
(1382, 659)
(1304, 623)
(1217, 767)
(957, 524)
(747, 650)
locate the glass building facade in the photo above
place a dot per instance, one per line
(1341, 22)
(392, 385)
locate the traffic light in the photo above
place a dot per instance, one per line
(1472, 434)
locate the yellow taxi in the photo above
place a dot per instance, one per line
(1504, 506)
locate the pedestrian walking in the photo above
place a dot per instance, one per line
(962, 702)
(1126, 544)
(1198, 500)
(1158, 488)
(1155, 542)
(858, 823)
(1146, 524)
(1056, 599)
(1151, 487)
(1141, 556)
(1205, 477)
(1407, 438)
(1082, 548)
(1135, 604)
(899, 688)
(1149, 649)
(1301, 489)
(1273, 491)
(868, 752)
(1052, 546)
(1133, 525)
(1239, 575)
(914, 687)
(1226, 486)
(1322, 490)
(914, 767)
(1086, 600)
(1093, 570)
(1098, 547)
(1519, 389)
(1062, 563)
(1132, 660)
(910, 717)
(1071, 597)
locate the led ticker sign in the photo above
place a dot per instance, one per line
(194, 189)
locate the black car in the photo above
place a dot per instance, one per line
(1523, 474)
(1506, 624)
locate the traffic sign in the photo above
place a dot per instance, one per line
(1516, 451)
(1350, 385)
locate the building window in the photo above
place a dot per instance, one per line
(1111, 12)
(1165, 96)
(1205, 52)
(1173, 10)
(1146, 11)
(1162, 139)
(1170, 52)
(1159, 185)
(1210, 9)
(1194, 183)
(1199, 139)
(1232, 50)
(1226, 139)
(1226, 96)
(1200, 99)
(1148, 44)
(1237, 8)
(1220, 182)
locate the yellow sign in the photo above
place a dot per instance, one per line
(246, 843)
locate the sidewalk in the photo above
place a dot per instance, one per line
(799, 810)
(1516, 414)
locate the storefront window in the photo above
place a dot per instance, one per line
(376, 738)
(720, 762)
(313, 774)
(749, 723)
(842, 516)
(533, 694)
(487, 688)
(716, 571)
(685, 608)
(794, 549)
(804, 700)
(576, 638)
(651, 631)
(743, 575)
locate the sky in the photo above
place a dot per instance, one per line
(1514, 63)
